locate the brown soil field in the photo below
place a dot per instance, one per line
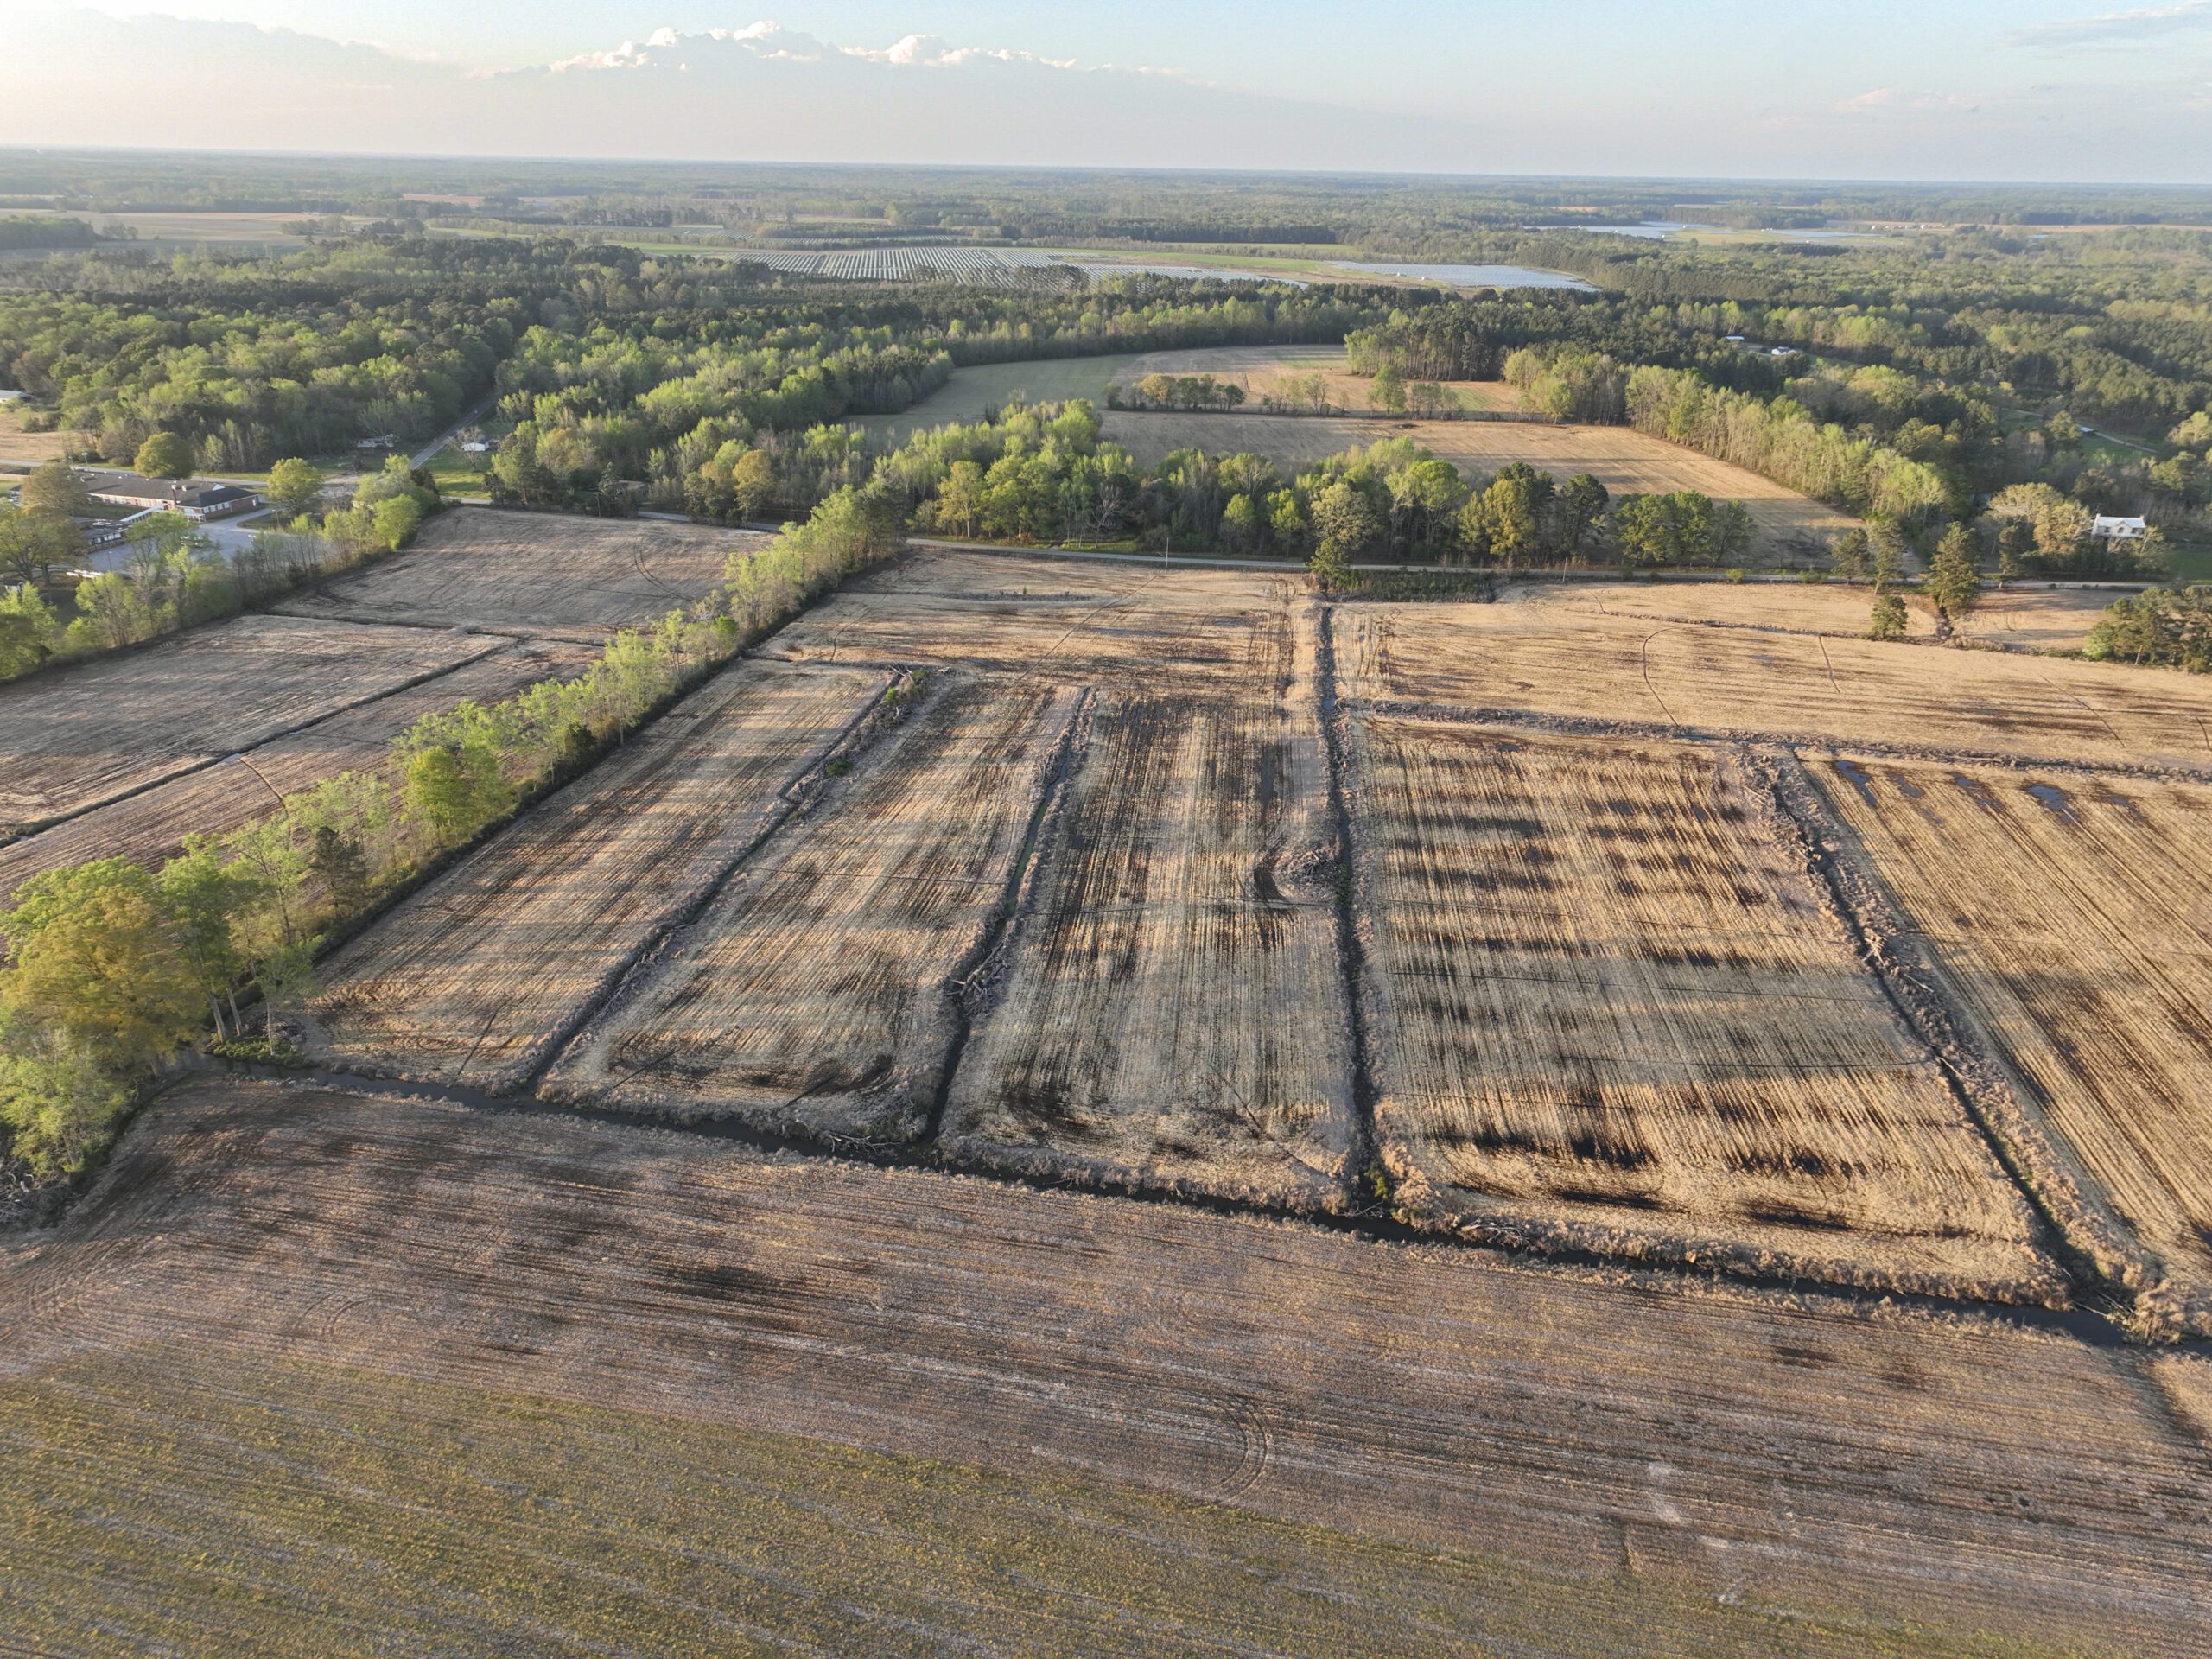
(535, 572)
(480, 976)
(1071, 621)
(1536, 659)
(1261, 371)
(432, 1379)
(1610, 1003)
(78, 737)
(2072, 918)
(2035, 620)
(814, 993)
(151, 826)
(1170, 1011)
(1791, 528)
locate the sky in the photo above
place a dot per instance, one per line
(2036, 89)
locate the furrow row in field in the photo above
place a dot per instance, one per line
(151, 825)
(534, 573)
(79, 737)
(812, 993)
(1849, 1478)
(1064, 620)
(2070, 919)
(477, 978)
(1529, 661)
(1613, 1008)
(1170, 1011)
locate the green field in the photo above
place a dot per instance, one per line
(252, 1505)
(973, 393)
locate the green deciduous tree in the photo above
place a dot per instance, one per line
(456, 789)
(55, 491)
(295, 487)
(163, 456)
(94, 959)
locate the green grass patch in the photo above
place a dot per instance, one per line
(972, 393)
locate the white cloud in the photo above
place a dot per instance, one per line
(2116, 27)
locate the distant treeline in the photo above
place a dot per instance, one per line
(39, 230)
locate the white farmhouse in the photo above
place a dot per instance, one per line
(2107, 527)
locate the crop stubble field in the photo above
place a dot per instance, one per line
(534, 573)
(2032, 619)
(1609, 1001)
(151, 825)
(476, 978)
(813, 994)
(2072, 917)
(76, 738)
(290, 1330)
(1170, 1008)
(1787, 526)
(1076, 621)
(1538, 660)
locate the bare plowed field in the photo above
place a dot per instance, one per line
(813, 994)
(1610, 1003)
(1170, 1011)
(1529, 658)
(77, 737)
(151, 825)
(576, 1389)
(478, 977)
(1790, 527)
(535, 572)
(2034, 620)
(1069, 620)
(2072, 918)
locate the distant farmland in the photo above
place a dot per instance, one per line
(1790, 528)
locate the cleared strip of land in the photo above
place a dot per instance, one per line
(150, 826)
(1789, 526)
(74, 738)
(535, 572)
(1068, 620)
(2071, 917)
(477, 977)
(1587, 1466)
(1610, 1007)
(1530, 659)
(1171, 1011)
(812, 993)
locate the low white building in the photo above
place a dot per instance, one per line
(2110, 528)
